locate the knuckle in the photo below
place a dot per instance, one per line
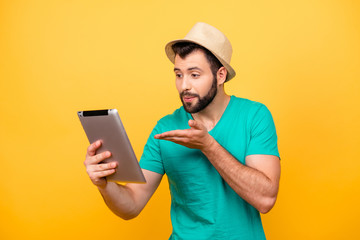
(92, 177)
(108, 166)
(98, 157)
(87, 161)
(95, 176)
(102, 166)
(89, 172)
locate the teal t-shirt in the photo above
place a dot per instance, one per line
(203, 205)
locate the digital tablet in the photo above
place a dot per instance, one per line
(106, 125)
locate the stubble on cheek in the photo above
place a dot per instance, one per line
(198, 104)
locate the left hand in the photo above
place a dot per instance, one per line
(195, 137)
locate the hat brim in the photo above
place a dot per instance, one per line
(171, 55)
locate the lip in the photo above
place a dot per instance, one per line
(188, 99)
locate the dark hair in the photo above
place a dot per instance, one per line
(183, 49)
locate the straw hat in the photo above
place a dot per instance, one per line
(210, 38)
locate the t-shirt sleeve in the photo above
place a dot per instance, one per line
(263, 137)
(151, 157)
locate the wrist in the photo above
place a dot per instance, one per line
(103, 186)
(210, 146)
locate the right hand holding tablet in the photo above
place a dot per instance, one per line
(96, 170)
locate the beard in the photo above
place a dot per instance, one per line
(203, 102)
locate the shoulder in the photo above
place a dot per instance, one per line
(248, 107)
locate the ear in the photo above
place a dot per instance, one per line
(221, 75)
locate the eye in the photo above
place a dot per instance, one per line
(195, 75)
(178, 75)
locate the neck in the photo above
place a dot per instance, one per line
(210, 116)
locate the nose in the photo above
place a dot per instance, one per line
(185, 83)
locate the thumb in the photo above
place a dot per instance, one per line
(195, 124)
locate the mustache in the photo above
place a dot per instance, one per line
(188, 94)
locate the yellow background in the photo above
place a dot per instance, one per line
(300, 58)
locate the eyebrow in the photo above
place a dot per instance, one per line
(189, 69)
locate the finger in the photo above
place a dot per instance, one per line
(195, 124)
(174, 133)
(177, 140)
(93, 170)
(103, 166)
(96, 175)
(91, 160)
(101, 157)
(91, 151)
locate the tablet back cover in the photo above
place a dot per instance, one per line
(106, 125)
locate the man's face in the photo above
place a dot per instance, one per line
(195, 82)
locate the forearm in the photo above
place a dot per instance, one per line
(249, 183)
(120, 200)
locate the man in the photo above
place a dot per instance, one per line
(219, 151)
